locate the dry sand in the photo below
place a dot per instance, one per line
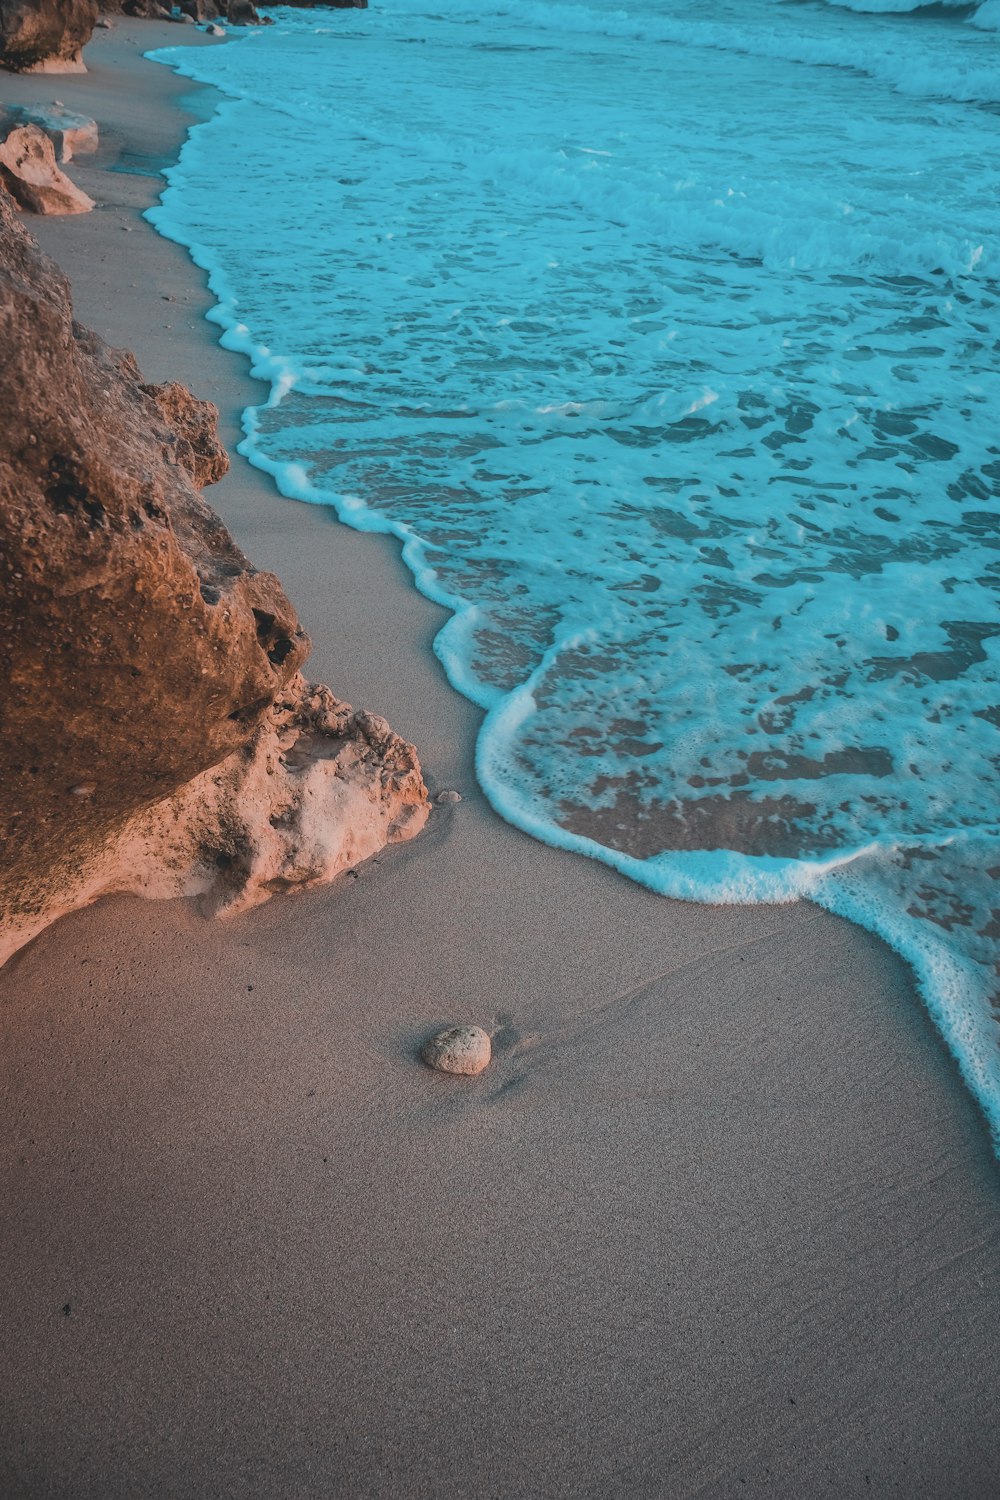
(718, 1220)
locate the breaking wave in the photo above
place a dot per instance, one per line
(675, 373)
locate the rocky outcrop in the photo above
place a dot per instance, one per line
(45, 36)
(236, 12)
(71, 134)
(49, 35)
(28, 171)
(155, 732)
(192, 423)
(317, 789)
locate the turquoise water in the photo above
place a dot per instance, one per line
(667, 340)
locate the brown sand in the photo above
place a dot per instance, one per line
(718, 1220)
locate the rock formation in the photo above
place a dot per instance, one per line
(71, 134)
(236, 12)
(155, 732)
(45, 36)
(48, 36)
(28, 170)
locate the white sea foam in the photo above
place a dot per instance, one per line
(674, 372)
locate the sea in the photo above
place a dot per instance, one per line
(666, 339)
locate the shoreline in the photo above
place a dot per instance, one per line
(721, 1203)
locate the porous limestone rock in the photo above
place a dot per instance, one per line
(45, 36)
(459, 1049)
(28, 170)
(71, 134)
(156, 734)
(194, 425)
(237, 12)
(316, 790)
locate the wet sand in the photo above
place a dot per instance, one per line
(719, 1220)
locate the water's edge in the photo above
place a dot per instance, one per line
(943, 979)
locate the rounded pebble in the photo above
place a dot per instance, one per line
(459, 1049)
(83, 789)
(448, 796)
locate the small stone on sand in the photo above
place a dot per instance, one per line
(449, 796)
(459, 1049)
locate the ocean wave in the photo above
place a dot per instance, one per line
(688, 418)
(914, 69)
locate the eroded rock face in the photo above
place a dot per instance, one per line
(28, 170)
(45, 36)
(71, 134)
(194, 425)
(237, 12)
(141, 747)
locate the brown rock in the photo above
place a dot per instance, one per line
(28, 170)
(155, 733)
(199, 10)
(71, 135)
(194, 425)
(237, 12)
(460, 1049)
(45, 36)
(146, 10)
(241, 13)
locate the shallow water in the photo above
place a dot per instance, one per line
(666, 338)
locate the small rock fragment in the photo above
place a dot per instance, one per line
(443, 798)
(83, 789)
(459, 1049)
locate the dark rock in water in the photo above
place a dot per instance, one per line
(199, 10)
(140, 10)
(240, 13)
(155, 732)
(45, 36)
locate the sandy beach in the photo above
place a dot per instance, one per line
(720, 1219)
